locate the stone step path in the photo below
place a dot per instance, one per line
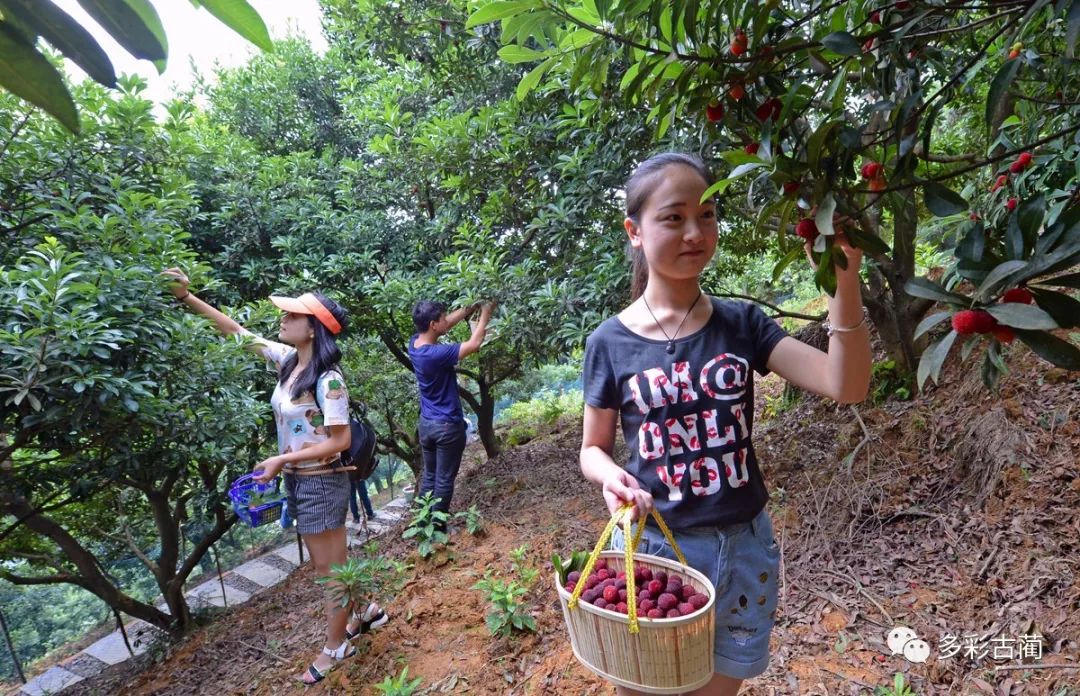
(241, 583)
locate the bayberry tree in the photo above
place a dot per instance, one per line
(897, 123)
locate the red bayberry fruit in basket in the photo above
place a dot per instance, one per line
(603, 574)
(644, 594)
(589, 596)
(674, 588)
(646, 574)
(570, 586)
(591, 582)
(807, 229)
(673, 614)
(655, 614)
(600, 603)
(621, 607)
(688, 591)
(645, 605)
(685, 608)
(667, 601)
(1011, 203)
(622, 595)
(751, 148)
(699, 600)
(661, 576)
(1021, 295)
(574, 576)
(601, 564)
(1003, 334)
(655, 587)
(610, 594)
(973, 321)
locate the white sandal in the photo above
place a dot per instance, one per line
(343, 651)
(372, 618)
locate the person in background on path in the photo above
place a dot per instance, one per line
(676, 367)
(442, 422)
(360, 488)
(311, 412)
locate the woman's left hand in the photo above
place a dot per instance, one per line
(269, 469)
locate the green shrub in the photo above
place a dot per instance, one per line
(425, 525)
(399, 685)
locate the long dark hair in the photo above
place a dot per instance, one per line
(639, 187)
(325, 354)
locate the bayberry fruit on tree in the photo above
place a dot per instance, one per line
(752, 148)
(1020, 295)
(738, 44)
(737, 91)
(807, 229)
(973, 321)
(999, 182)
(714, 111)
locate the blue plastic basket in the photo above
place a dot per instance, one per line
(243, 488)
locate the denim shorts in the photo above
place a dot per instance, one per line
(743, 562)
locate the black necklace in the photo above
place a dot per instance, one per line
(671, 339)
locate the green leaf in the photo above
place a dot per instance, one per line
(942, 201)
(134, 24)
(242, 18)
(788, 258)
(1072, 33)
(29, 75)
(994, 279)
(1030, 216)
(843, 43)
(998, 86)
(973, 244)
(1070, 280)
(933, 358)
(1022, 316)
(532, 79)
(519, 54)
(66, 35)
(1051, 348)
(928, 289)
(872, 244)
(498, 10)
(930, 322)
(1065, 309)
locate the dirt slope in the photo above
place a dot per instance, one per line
(959, 515)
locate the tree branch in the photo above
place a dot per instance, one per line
(779, 312)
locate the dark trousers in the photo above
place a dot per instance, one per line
(442, 444)
(360, 488)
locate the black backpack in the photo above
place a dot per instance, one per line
(361, 452)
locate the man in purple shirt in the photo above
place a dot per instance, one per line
(442, 424)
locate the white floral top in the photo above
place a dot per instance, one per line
(301, 423)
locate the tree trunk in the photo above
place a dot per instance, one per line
(484, 408)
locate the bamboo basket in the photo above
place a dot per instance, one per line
(662, 656)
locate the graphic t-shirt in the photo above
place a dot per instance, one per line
(687, 416)
(302, 423)
(437, 380)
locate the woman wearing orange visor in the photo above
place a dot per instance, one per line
(311, 411)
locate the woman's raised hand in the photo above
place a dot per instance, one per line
(179, 286)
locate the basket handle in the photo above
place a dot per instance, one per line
(630, 544)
